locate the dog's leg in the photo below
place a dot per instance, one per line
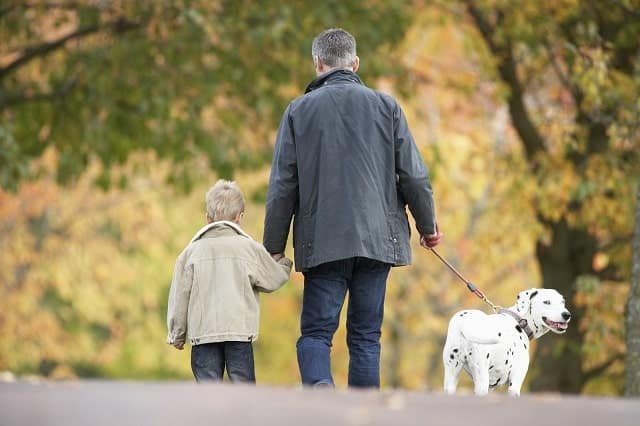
(452, 367)
(481, 381)
(451, 375)
(518, 373)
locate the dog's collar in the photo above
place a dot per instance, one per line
(522, 323)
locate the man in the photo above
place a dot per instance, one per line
(345, 165)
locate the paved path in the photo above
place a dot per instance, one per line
(95, 403)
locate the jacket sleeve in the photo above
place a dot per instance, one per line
(413, 178)
(178, 306)
(266, 274)
(282, 196)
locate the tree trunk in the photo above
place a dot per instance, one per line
(570, 253)
(632, 364)
(557, 359)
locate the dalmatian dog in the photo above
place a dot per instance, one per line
(494, 349)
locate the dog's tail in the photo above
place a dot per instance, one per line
(476, 334)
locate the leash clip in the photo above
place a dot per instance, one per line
(471, 286)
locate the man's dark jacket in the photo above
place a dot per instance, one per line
(345, 166)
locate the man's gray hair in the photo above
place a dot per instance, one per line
(224, 201)
(335, 48)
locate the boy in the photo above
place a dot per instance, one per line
(213, 299)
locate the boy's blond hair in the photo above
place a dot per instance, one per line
(224, 201)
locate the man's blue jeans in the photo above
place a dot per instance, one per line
(325, 288)
(208, 361)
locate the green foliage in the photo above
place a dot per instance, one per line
(186, 80)
(202, 85)
(14, 167)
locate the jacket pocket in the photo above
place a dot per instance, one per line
(308, 231)
(400, 235)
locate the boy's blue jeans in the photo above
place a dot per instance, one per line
(208, 361)
(325, 288)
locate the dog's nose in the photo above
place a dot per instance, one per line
(566, 315)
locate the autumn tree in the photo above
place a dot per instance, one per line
(84, 86)
(570, 76)
(632, 378)
(188, 79)
(202, 84)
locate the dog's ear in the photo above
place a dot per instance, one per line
(524, 300)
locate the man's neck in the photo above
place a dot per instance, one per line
(327, 71)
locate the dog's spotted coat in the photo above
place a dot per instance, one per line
(494, 349)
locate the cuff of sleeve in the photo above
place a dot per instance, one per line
(173, 340)
(274, 247)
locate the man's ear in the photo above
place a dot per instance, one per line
(318, 65)
(356, 64)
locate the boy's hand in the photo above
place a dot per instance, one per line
(284, 261)
(179, 346)
(277, 256)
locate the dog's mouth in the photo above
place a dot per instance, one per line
(557, 327)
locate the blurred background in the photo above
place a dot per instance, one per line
(116, 116)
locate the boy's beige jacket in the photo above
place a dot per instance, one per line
(215, 285)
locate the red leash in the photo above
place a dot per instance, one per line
(471, 286)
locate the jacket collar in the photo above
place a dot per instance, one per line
(331, 77)
(218, 224)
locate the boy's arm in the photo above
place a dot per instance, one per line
(266, 274)
(178, 308)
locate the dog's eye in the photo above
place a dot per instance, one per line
(547, 302)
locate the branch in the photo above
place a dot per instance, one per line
(599, 369)
(507, 69)
(486, 30)
(562, 76)
(118, 26)
(46, 48)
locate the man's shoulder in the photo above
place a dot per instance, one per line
(387, 98)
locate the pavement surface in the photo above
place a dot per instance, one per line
(143, 403)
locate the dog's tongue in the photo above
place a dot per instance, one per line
(557, 325)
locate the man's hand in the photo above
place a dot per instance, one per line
(430, 241)
(179, 346)
(277, 256)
